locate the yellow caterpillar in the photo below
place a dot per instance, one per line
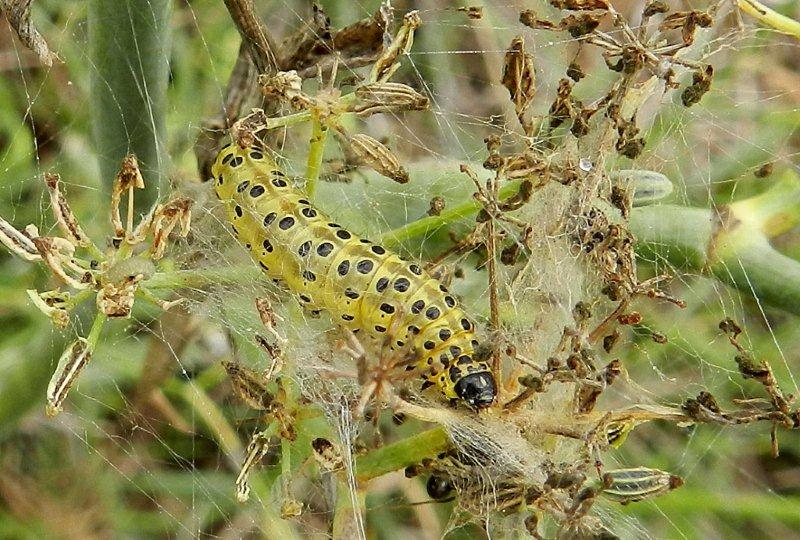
(360, 284)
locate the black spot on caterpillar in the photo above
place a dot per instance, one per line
(361, 285)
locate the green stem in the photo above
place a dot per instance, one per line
(430, 224)
(286, 467)
(754, 267)
(346, 514)
(739, 255)
(401, 454)
(129, 42)
(775, 211)
(319, 134)
(202, 277)
(701, 503)
(96, 330)
(288, 120)
(78, 298)
(770, 17)
(205, 407)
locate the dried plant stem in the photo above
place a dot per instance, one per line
(255, 35)
(494, 297)
(19, 15)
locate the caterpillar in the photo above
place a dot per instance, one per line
(359, 283)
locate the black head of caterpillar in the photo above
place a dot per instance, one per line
(362, 285)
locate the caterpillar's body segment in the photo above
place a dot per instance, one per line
(360, 284)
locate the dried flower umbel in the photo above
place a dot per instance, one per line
(116, 276)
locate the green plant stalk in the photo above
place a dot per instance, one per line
(96, 330)
(740, 256)
(401, 454)
(775, 211)
(755, 267)
(770, 17)
(429, 225)
(129, 42)
(316, 150)
(347, 511)
(699, 503)
(203, 277)
(215, 420)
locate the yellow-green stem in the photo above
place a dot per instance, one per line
(430, 224)
(770, 17)
(97, 328)
(401, 454)
(316, 150)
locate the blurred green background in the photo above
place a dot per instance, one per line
(110, 466)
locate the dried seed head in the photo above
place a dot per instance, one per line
(631, 485)
(519, 78)
(164, 219)
(327, 454)
(701, 83)
(632, 59)
(57, 253)
(129, 175)
(575, 72)
(70, 365)
(628, 144)
(654, 7)
(128, 178)
(580, 5)
(115, 299)
(764, 171)
(388, 97)
(18, 242)
(256, 450)
(524, 166)
(291, 508)
(510, 254)
(562, 108)
(528, 18)
(378, 157)
(437, 204)
(634, 317)
(473, 12)
(248, 386)
(285, 85)
(659, 338)
(388, 63)
(610, 340)
(688, 22)
(580, 25)
(244, 130)
(52, 304)
(63, 213)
